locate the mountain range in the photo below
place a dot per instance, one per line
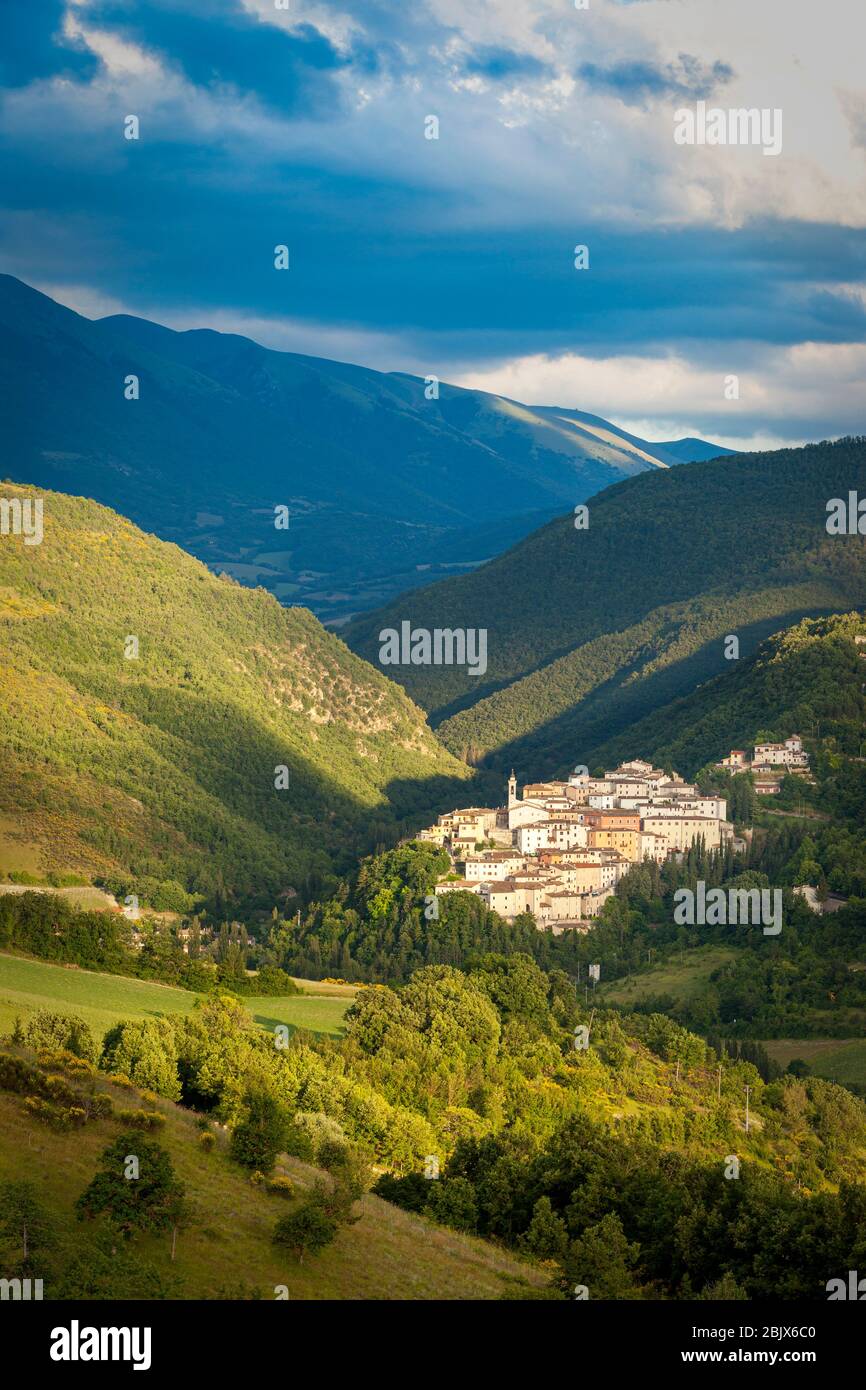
(384, 488)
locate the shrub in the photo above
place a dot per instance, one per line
(59, 1117)
(451, 1202)
(281, 1186)
(320, 1130)
(206, 1141)
(17, 1075)
(141, 1119)
(298, 1143)
(332, 1154)
(409, 1192)
(60, 1032)
(65, 1061)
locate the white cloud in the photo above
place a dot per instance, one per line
(669, 396)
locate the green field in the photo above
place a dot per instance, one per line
(836, 1059)
(681, 976)
(101, 1000)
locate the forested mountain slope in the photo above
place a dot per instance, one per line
(590, 630)
(147, 709)
(808, 679)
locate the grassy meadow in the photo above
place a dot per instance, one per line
(102, 1000)
(681, 976)
(835, 1059)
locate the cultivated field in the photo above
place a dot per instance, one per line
(681, 977)
(836, 1059)
(102, 1000)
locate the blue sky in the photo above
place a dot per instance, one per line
(306, 126)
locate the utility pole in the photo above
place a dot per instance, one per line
(748, 1089)
(678, 1069)
(720, 1082)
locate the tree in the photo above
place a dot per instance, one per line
(135, 1187)
(724, 1290)
(602, 1260)
(25, 1230)
(146, 1052)
(309, 1229)
(452, 1203)
(515, 984)
(547, 1237)
(261, 1135)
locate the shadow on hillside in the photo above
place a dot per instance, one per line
(613, 706)
(214, 747)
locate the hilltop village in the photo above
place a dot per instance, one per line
(558, 850)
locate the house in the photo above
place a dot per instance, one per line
(736, 761)
(831, 903)
(492, 865)
(787, 754)
(767, 786)
(682, 831)
(562, 846)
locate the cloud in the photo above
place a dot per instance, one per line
(223, 48)
(637, 82)
(35, 48)
(783, 397)
(261, 126)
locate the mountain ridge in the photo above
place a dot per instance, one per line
(384, 486)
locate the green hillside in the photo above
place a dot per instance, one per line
(225, 1248)
(597, 1145)
(591, 630)
(803, 680)
(165, 764)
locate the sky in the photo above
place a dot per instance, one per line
(307, 126)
